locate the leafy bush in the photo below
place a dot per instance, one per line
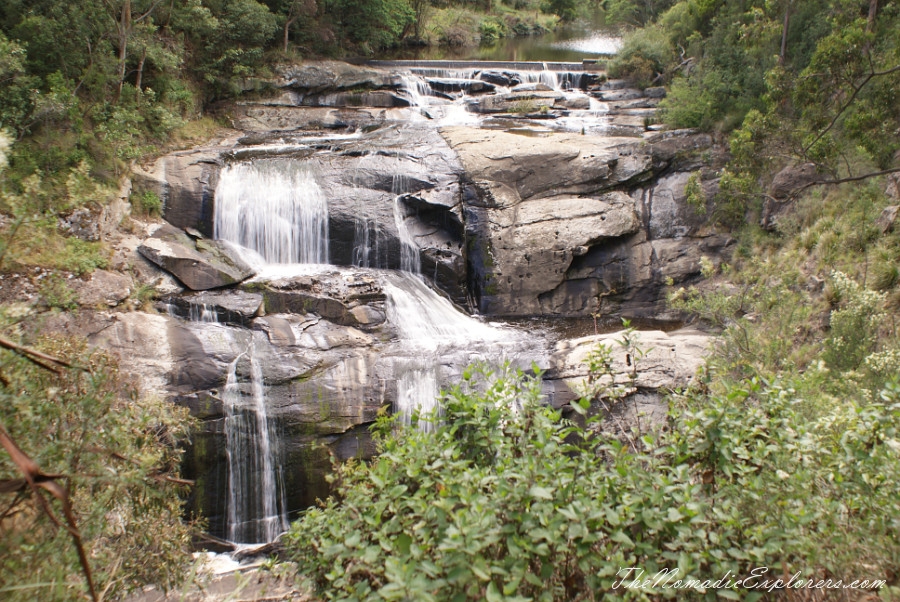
(645, 54)
(506, 500)
(147, 203)
(491, 30)
(56, 292)
(117, 454)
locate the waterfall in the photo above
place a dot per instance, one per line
(256, 508)
(256, 502)
(418, 90)
(201, 312)
(425, 319)
(409, 251)
(417, 391)
(274, 207)
(368, 251)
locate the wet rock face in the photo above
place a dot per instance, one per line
(551, 232)
(340, 297)
(361, 178)
(331, 76)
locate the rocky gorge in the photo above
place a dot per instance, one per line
(413, 200)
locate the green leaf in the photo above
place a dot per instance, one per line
(403, 543)
(622, 537)
(540, 492)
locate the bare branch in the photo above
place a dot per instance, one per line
(36, 357)
(873, 174)
(38, 480)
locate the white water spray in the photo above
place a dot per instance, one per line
(274, 207)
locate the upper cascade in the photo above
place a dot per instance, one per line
(274, 207)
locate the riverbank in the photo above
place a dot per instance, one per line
(508, 34)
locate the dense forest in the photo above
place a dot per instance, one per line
(783, 454)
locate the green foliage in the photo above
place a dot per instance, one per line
(233, 44)
(372, 24)
(637, 13)
(645, 54)
(39, 243)
(118, 452)
(146, 203)
(16, 93)
(694, 195)
(854, 324)
(506, 500)
(491, 30)
(567, 10)
(56, 293)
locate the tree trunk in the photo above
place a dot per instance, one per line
(287, 28)
(124, 30)
(873, 12)
(784, 34)
(140, 71)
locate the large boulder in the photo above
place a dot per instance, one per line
(645, 365)
(520, 101)
(200, 264)
(535, 205)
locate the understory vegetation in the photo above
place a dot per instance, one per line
(506, 500)
(90, 506)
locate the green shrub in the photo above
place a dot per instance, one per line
(146, 203)
(56, 292)
(505, 500)
(491, 29)
(854, 323)
(645, 54)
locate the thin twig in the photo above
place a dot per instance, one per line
(873, 174)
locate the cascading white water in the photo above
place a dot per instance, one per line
(431, 327)
(409, 252)
(426, 320)
(274, 207)
(201, 312)
(256, 502)
(366, 244)
(418, 90)
(417, 392)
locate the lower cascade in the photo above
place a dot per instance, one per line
(256, 503)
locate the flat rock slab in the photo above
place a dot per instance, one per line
(556, 164)
(330, 76)
(199, 264)
(103, 288)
